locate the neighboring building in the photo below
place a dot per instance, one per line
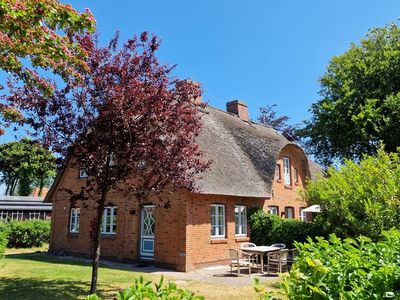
(253, 166)
(20, 208)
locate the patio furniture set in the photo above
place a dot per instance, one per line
(276, 257)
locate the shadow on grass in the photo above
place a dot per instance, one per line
(32, 289)
(79, 261)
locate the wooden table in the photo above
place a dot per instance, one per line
(260, 251)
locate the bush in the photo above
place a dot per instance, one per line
(26, 234)
(346, 269)
(3, 242)
(267, 229)
(147, 290)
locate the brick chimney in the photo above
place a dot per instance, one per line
(238, 108)
(196, 100)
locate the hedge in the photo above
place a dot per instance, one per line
(267, 229)
(26, 234)
(346, 269)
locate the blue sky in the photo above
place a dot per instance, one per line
(262, 52)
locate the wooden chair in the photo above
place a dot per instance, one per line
(278, 261)
(281, 246)
(254, 257)
(291, 256)
(239, 259)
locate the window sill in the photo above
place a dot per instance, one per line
(108, 235)
(73, 234)
(242, 239)
(219, 241)
(289, 187)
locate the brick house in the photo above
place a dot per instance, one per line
(253, 166)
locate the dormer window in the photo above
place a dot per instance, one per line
(278, 172)
(296, 176)
(286, 170)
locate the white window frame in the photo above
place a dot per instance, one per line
(216, 222)
(19, 215)
(240, 220)
(272, 208)
(82, 174)
(74, 220)
(303, 214)
(109, 227)
(278, 173)
(286, 171)
(34, 215)
(3, 216)
(296, 175)
(287, 208)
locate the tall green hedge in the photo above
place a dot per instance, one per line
(346, 269)
(3, 243)
(267, 229)
(26, 234)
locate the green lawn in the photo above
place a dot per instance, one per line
(25, 274)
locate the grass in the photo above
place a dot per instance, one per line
(29, 275)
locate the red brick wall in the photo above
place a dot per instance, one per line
(183, 231)
(201, 249)
(170, 228)
(283, 195)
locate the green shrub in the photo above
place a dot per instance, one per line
(147, 290)
(346, 269)
(267, 229)
(26, 234)
(3, 242)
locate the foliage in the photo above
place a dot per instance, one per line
(359, 198)
(261, 291)
(41, 33)
(3, 242)
(268, 116)
(25, 162)
(145, 290)
(346, 269)
(26, 234)
(128, 124)
(360, 101)
(267, 229)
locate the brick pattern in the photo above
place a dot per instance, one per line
(182, 231)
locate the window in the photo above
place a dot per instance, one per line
(240, 220)
(296, 176)
(278, 172)
(109, 224)
(74, 220)
(35, 215)
(217, 220)
(303, 215)
(289, 212)
(286, 170)
(82, 173)
(17, 215)
(273, 210)
(3, 216)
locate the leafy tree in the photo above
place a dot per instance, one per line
(360, 103)
(128, 124)
(40, 32)
(23, 163)
(268, 116)
(359, 198)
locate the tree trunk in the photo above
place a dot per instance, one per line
(41, 185)
(97, 240)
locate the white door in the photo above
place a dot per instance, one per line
(147, 232)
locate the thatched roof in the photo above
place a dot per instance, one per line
(244, 155)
